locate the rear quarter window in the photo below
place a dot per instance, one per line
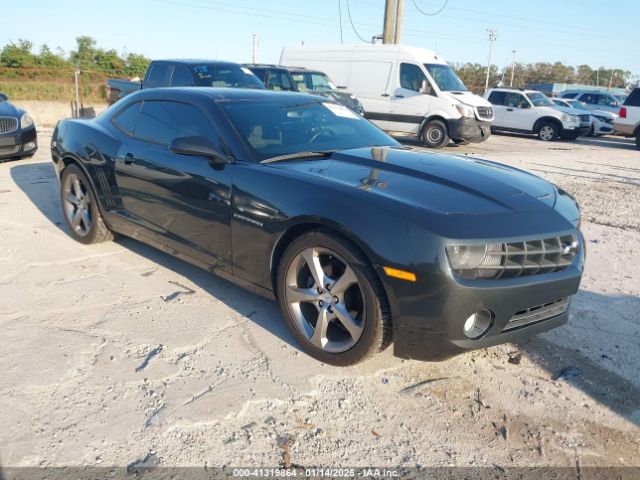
(633, 100)
(497, 98)
(158, 76)
(127, 118)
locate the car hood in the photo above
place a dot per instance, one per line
(9, 110)
(571, 111)
(438, 183)
(467, 97)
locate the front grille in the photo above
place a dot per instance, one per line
(10, 150)
(585, 119)
(485, 112)
(530, 257)
(8, 124)
(537, 314)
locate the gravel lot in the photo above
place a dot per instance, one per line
(116, 353)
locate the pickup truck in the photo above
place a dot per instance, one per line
(185, 73)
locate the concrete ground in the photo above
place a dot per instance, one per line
(116, 353)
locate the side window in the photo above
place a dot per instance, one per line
(606, 100)
(161, 122)
(569, 95)
(633, 100)
(497, 98)
(158, 75)
(411, 77)
(181, 77)
(126, 119)
(590, 98)
(516, 100)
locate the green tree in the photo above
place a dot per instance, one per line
(136, 65)
(18, 55)
(85, 55)
(46, 58)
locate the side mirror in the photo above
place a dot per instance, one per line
(425, 88)
(197, 146)
(3, 97)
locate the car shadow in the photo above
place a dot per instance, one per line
(608, 141)
(38, 181)
(581, 345)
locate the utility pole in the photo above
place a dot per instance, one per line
(399, 20)
(513, 67)
(390, 10)
(255, 48)
(76, 88)
(493, 36)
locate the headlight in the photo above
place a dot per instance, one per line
(26, 122)
(569, 118)
(465, 110)
(475, 261)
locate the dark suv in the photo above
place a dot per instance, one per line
(298, 79)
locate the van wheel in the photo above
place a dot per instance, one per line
(548, 132)
(435, 135)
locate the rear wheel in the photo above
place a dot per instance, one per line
(548, 132)
(80, 208)
(435, 134)
(332, 300)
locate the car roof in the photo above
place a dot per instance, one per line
(513, 89)
(280, 67)
(219, 94)
(195, 61)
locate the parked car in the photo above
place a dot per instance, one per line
(403, 89)
(362, 241)
(297, 79)
(18, 137)
(529, 111)
(596, 99)
(185, 73)
(601, 120)
(628, 122)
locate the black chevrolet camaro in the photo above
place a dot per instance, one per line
(363, 242)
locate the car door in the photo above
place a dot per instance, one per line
(497, 99)
(408, 104)
(519, 114)
(183, 199)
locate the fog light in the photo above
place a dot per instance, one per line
(478, 324)
(29, 146)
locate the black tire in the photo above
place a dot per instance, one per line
(91, 228)
(592, 131)
(638, 141)
(435, 134)
(459, 141)
(376, 321)
(548, 131)
(570, 136)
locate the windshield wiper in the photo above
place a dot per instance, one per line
(299, 155)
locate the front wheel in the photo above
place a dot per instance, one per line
(80, 208)
(435, 134)
(548, 132)
(332, 300)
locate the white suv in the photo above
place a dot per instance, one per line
(530, 111)
(628, 121)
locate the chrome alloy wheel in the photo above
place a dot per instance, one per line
(547, 133)
(435, 134)
(325, 300)
(77, 204)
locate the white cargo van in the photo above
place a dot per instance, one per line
(403, 89)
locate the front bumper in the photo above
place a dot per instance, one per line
(469, 129)
(572, 131)
(429, 315)
(18, 143)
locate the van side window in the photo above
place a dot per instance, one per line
(158, 76)
(497, 98)
(411, 77)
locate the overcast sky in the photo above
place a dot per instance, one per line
(571, 31)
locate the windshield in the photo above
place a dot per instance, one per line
(445, 78)
(621, 98)
(540, 100)
(577, 105)
(313, 82)
(226, 75)
(286, 125)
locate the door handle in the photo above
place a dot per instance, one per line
(399, 96)
(385, 94)
(509, 109)
(129, 159)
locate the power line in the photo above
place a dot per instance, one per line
(352, 25)
(415, 4)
